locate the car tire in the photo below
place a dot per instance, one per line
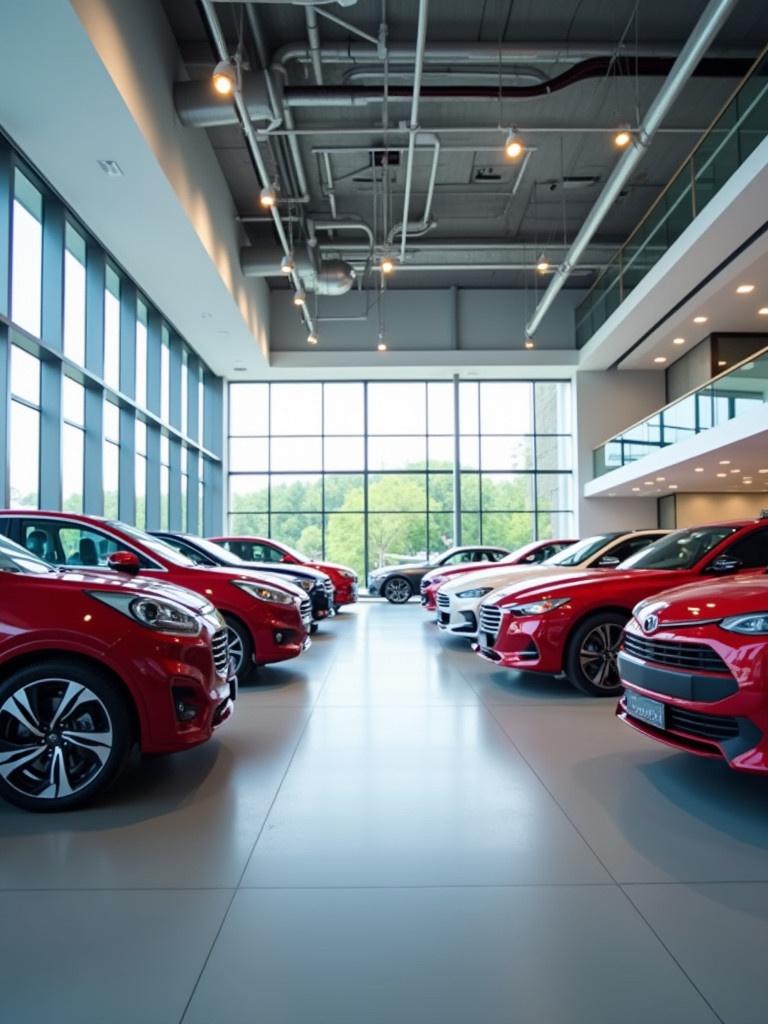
(241, 649)
(72, 763)
(314, 627)
(397, 590)
(590, 661)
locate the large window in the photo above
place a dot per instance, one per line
(364, 473)
(24, 429)
(26, 254)
(112, 330)
(111, 452)
(141, 354)
(74, 295)
(72, 445)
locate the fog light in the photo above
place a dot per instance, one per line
(185, 712)
(278, 637)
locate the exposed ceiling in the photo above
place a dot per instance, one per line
(490, 218)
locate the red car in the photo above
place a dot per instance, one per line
(528, 554)
(261, 549)
(574, 624)
(92, 663)
(694, 663)
(267, 619)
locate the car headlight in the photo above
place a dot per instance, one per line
(347, 574)
(475, 592)
(155, 613)
(754, 624)
(264, 593)
(548, 604)
(305, 585)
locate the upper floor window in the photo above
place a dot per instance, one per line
(112, 329)
(26, 254)
(74, 295)
(142, 317)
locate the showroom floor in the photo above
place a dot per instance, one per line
(393, 831)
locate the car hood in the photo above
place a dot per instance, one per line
(558, 584)
(506, 575)
(458, 570)
(141, 586)
(285, 569)
(708, 601)
(249, 576)
(406, 567)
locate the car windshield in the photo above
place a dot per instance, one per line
(152, 543)
(216, 551)
(578, 553)
(14, 558)
(294, 553)
(680, 550)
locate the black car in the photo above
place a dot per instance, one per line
(317, 585)
(399, 583)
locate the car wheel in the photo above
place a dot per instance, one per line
(240, 649)
(590, 662)
(397, 590)
(65, 733)
(313, 628)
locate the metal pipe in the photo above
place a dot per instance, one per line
(245, 122)
(421, 42)
(704, 32)
(313, 34)
(330, 185)
(347, 225)
(341, 130)
(425, 223)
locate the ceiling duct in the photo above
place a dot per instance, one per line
(333, 277)
(200, 106)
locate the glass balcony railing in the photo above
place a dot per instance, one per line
(740, 390)
(737, 130)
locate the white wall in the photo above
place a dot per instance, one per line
(607, 402)
(695, 509)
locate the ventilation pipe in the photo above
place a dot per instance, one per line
(421, 42)
(420, 227)
(705, 31)
(333, 277)
(200, 106)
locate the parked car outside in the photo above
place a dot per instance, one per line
(574, 624)
(399, 583)
(267, 619)
(317, 585)
(458, 601)
(529, 554)
(264, 550)
(92, 663)
(694, 665)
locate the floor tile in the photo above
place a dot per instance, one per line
(96, 957)
(719, 935)
(189, 819)
(650, 814)
(414, 796)
(558, 955)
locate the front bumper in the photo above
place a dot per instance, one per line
(283, 634)
(527, 643)
(459, 616)
(346, 592)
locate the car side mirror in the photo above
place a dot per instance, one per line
(125, 562)
(608, 562)
(724, 564)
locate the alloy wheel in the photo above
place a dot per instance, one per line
(56, 736)
(598, 655)
(236, 651)
(397, 590)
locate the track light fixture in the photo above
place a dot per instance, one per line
(311, 339)
(224, 77)
(622, 138)
(299, 298)
(268, 197)
(529, 343)
(542, 264)
(382, 346)
(387, 265)
(514, 147)
(287, 266)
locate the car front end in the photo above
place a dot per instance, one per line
(694, 666)
(523, 634)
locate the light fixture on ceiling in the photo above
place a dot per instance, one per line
(287, 265)
(387, 265)
(747, 480)
(268, 197)
(725, 462)
(514, 147)
(735, 470)
(660, 359)
(299, 298)
(648, 483)
(542, 264)
(762, 471)
(111, 168)
(311, 339)
(745, 289)
(678, 341)
(530, 343)
(699, 469)
(722, 362)
(700, 319)
(763, 311)
(622, 138)
(635, 488)
(224, 77)
(721, 474)
(382, 346)
(660, 479)
(672, 487)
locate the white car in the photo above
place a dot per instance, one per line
(458, 600)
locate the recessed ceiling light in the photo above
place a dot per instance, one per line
(722, 474)
(648, 483)
(660, 359)
(660, 478)
(611, 494)
(745, 289)
(735, 470)
(700, 319)
(699, 469)
(762, 471)
(725, 462)
(672, 487)
(678, 341)
(722, 362)
(747, 480)
(763, 311)
(635, 488)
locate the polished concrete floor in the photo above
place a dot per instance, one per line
(391, 831)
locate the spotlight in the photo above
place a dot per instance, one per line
(224, 77)
(542, 264)
(287, 266)
(299, 299)
(382, 346)
(311, 339)
(268, 197)
(514, 147)
(387, 265)
(622, 138)
(529, 343)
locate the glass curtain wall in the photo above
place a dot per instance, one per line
(363, 473)
(96, 399)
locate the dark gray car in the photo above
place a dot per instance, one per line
(399, 583)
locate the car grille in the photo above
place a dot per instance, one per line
(306, 609)
(220, 644)
(706, 727)
(443, 600)
(697, 657)
(490, 620)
